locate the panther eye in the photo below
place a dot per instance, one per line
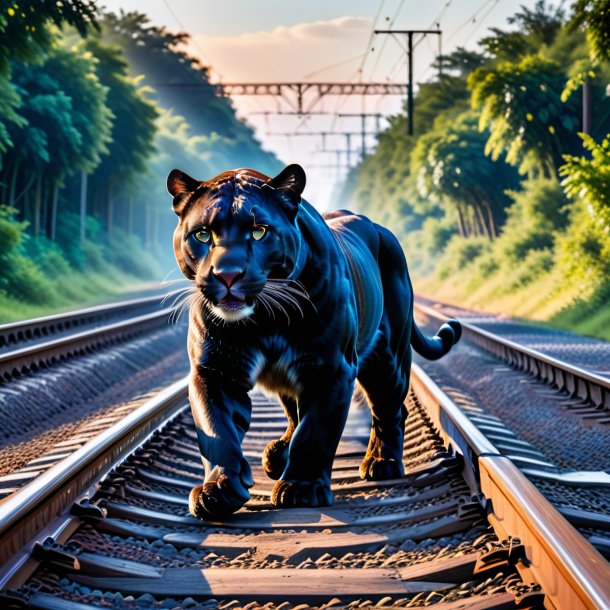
(259, 232)
(203, 235)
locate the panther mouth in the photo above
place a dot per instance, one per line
(230, 301)
(232, 308)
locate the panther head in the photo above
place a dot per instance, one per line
(237, 238)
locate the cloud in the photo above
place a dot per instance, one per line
(286, 52)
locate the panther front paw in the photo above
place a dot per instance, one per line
(214, 499)
(381, 469)
(275, 457)
(289, 494)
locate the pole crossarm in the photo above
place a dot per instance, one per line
(348, 135)
(407, 31)
(288, 113)
(376, 115)
(409, 34)
(290, 134)
(320, 88)
(317, 90)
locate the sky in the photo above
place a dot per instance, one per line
(320, 41)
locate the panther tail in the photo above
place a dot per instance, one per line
(436, 347)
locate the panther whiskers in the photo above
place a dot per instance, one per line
(190, 298)
(283, 290)
(281, 295)
(265, 304)
(266, 294)
(176, 295)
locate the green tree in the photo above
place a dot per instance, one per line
(24, 26)
(181, 83)
(25, 35)
(132, 133)
(451, 167)
(534, 28)
(588, 178)
(9, 104)
(593, 16)
(66, 131)
(520, 104)
(174, 146)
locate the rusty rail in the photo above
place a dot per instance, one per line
(572, 573)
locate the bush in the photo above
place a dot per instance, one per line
(538, 213)
(535, 264)
(49, 257)
(19, 274)
(22, 279)
(94, 257)
(461, 252)
(68, 235)
(125, 252)
(11, 231)
(584, 250)
(437, 233)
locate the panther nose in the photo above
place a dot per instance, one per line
(228, 278)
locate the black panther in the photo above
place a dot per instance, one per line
(304, 306)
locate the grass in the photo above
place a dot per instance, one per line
(77, 291)
(547, 300)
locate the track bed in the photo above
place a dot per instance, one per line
(400, 543)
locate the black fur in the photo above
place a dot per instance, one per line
(321, 302)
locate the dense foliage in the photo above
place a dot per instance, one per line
(93, 115)
(498, 197)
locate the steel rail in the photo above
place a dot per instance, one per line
(31, 508)
(29, 330)
(571, 572)
(40, 355)
(580, 382)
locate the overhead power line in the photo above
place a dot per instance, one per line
(193, 41)
(335, 65)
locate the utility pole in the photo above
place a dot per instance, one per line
(586, 107)
(409, 34)
(440, 52)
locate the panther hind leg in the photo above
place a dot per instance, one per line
(275, 455)
(385, 383)
(384, 373)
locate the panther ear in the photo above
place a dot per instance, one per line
(179, 183)
(291, 177)
(289, 184)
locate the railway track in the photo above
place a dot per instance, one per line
(587, 385)
(109, 526)
(548, 416)
(31, 345)
(57, 372)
